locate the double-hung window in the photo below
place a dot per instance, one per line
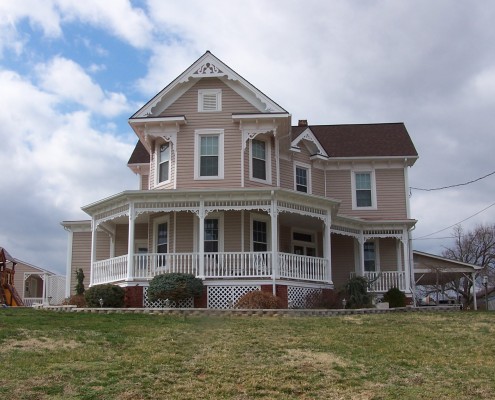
(370, 257)
(260, 236)
(212, 235)
(209, 154)
(363, 193)
(302, 178)
(164, 163)
(162, 238)
(260, 166)
(259, 159)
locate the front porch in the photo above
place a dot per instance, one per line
(381, 282)
(224, 265)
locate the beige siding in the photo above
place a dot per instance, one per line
(390, 193)
(339, 187)
(187, 105)
(318, 181)
(81, 257)
(286, 174)
(343, 262)
(145, 181)
(122, 238)
(185, 230)
(232, 231)
(388, 254)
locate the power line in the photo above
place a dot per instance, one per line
(457, 223)
(456, 185)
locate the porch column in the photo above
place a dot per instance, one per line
(94, 229)
(407, 261)
(201, 243)
(130, 244)
(361, 254)
(274, 239)
(327, 247)
(475, 301)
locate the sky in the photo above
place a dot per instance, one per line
(72, 73)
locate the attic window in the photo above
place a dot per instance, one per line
(209, 100)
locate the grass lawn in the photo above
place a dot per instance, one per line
(50, 355)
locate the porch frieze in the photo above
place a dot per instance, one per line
(302, 209)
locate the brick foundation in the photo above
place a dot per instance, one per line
(133, 297)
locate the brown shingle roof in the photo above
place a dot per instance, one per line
(140, 155)
(362, 140)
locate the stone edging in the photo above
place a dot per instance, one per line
(245, 312)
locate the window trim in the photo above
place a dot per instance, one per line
(203, 92)
(221, 237)
(158, 163)
(377, 255)
(313, 244)
(198, 134)
(156, 222)
(373, 189)
(268, 160)
(260, 218)
(307, 167)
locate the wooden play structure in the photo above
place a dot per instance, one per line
(8, 293)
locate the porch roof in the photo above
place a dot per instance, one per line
(220, 199)
(430, 269)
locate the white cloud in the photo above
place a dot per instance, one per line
(54, 163)
(118, 17)
(69, 82)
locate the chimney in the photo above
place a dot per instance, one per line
(303, 122)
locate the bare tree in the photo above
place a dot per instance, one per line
(473, 247)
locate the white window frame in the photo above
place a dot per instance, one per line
(156, 222)
(199, 133)
(307, 167)
(261, 218)
(221, 241)
(209, 92)
(268, 161)
(313, 244)
(142, 243)
(373, 189)
(158, 162)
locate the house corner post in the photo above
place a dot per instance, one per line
(130, 244)
(94, 228)
(407, 260)
(327, 246)
(201, 249)
(274, 239)
(361, 241)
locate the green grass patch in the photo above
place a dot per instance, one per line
(50, 355)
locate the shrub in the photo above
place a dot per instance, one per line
(174, 287)
(395, 298)
(76, 300)
(112, 296)
(257, 299)
(80, 282)
(357, 292)
(327, 299)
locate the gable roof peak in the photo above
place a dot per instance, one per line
(207, 66)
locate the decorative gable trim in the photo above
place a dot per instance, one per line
(308, 136)
(207, 66)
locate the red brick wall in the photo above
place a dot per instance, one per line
(133, 296)
(202, 301)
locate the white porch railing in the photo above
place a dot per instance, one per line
(293, 266)
(110, 270)
(216, 265)
(385, 280)
(29, 301)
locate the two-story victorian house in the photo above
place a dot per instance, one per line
(230, 191)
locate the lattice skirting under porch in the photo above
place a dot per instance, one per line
(302, 297)
(226, 296)
(188, 303)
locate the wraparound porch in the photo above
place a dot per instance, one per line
(224, 265)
